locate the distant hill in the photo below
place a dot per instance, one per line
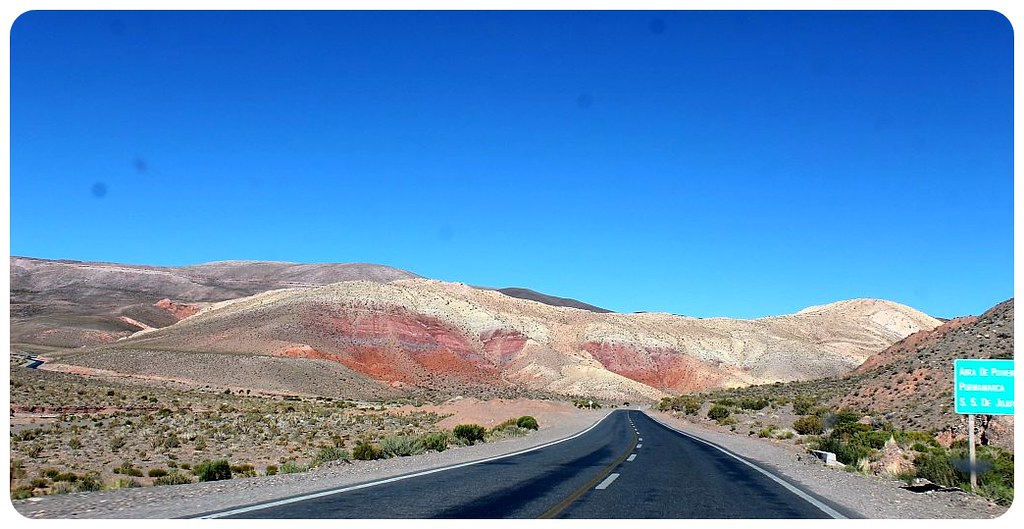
(74, 303)
(453, 338)
(554, 301)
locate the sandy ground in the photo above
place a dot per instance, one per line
(868, 496)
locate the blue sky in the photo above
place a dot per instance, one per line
(702, 163)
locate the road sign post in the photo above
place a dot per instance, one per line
(981, 387)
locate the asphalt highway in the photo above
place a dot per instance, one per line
(626, 466)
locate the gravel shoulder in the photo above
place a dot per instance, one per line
(860, 495)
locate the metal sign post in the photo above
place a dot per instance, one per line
(981, 387)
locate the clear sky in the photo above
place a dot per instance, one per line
(702, 163)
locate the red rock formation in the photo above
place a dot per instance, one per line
(660, 368)
(180, 310)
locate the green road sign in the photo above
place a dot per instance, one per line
(983, 387)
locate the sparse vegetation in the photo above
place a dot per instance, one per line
(213, 470)
(366, 451)
(438, 441)
(469, 433)
(331, 453)
(718, 412)
(401, 446)
(527, 422)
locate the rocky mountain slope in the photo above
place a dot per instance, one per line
(913, 379)
(450, 336)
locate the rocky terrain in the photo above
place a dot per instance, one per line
(913, 380)
(452, 338)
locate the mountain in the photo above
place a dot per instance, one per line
(451, 337)
(74, 303)
(913, 379)
(554, 301)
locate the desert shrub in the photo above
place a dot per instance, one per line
(846, 453)
(63, 487)
(366, 451)
(69, 477)
(157, 472)
(331, 453)
(18, 469)
(401, 446)
(34, 450)
(40, 483)
(809, 425)
(49, 472)
(840, 418)
(939, 469)
(718, 412)
(271, 470)
(507, 432)
(689, 404)
(469, 433)
(850, 428)
(528, 422)
(243, 470)
(117, 443)
(438, 441)
(124, 483)
(75, 443)
(290, 467)
(20, 493)
(787, 434)
(174, 478)
(213, 470)
(754, 403)
(803, 405)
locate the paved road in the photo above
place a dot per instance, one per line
(627, 466)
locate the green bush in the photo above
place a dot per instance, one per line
(244, 470)
(366, 452)
(290, 467)
(213, 470)
(803, 405)
(331, 453)
(469, 433)
(809, 425)
(157, 473)
(528, 422)
(174, 478)
(754, 403)
(401, 446)
(21, 493)
(718, 412)
(438, 441)
(849, 454)
(271, 470)
(685, 403)
(124, 483)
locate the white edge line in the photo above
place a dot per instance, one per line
(631, 457)
(824, 508)
(330, 492)
(607, 481)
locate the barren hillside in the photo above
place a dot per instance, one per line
(447, 336)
